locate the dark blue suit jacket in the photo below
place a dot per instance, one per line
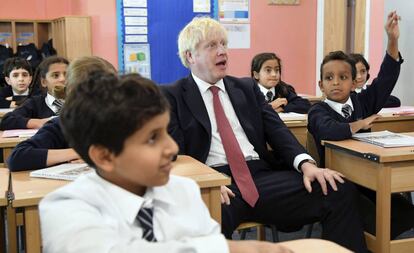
(191, 129)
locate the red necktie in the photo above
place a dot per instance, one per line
(235, 158)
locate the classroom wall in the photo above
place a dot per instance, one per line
(34, 9)
(405, 9)
(290, 31)
(102, 12)
(376, 33)
(104, 34)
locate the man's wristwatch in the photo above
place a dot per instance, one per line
(304, 161)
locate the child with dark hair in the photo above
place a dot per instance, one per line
(18, 75)
(48, 146)
(266, 69)
(130, 203)
(362, 76)
(37, 110)
(344, 113)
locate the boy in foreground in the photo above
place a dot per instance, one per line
(130, 203)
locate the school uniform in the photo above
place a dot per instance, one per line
(283, 200)
(295, 103)
(94, 215)
(32, 153)
(7, 91)
(327, 121)
(36, 107)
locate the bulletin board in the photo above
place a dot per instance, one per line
(147, 42)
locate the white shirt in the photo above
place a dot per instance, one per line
(23, 94)
(337, 107)
(94, 215)
(217, 156)
(49, 99)
(264, 90)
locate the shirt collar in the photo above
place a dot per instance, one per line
(264, 90)
(204, 86)
(129, 203)
(23, 94)
(49, 99)
(338, 106)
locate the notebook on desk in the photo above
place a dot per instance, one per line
(385, 139)
(292, 116)
(402, 110)
(66, 171)
(19, 133)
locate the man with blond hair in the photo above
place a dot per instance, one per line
(226, 123)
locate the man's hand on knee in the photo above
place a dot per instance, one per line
(311, 172)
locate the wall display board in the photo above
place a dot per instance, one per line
(148, 32)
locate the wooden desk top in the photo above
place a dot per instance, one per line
(28, 191)
(374, 152)
(391, 117)
(205, 176)
(314, 245)
(296, 123)
(10, 142)
(312, 98)
(3, 111)
(4, 184)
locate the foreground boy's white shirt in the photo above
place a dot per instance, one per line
(94, 215)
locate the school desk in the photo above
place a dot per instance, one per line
(311, 98)
(3, 111)
(394, 123)
(298, 129)
(4, 183)
(8, 144)
(314, 246)
(29, 191)
(384, 170)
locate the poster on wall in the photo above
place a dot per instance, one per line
(235, 17)
(133, 37)
(137, 59)
(234, 11)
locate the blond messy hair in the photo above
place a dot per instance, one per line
(196, 31)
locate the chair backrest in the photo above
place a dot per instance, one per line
(311, 147)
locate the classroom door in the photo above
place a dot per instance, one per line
(344, 26)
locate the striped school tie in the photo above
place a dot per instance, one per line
(346, 111)
(269, 96)
(58, 103)
(144, 218)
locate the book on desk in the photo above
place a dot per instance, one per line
(65, 171)
(19, 133)
(292, 116)
(385, 139)
(402, 110)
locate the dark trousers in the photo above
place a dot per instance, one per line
(402, 212)
(284, 202)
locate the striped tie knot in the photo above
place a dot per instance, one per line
(58, 103)
(269, 96)
(144, 218)
(346, 111)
